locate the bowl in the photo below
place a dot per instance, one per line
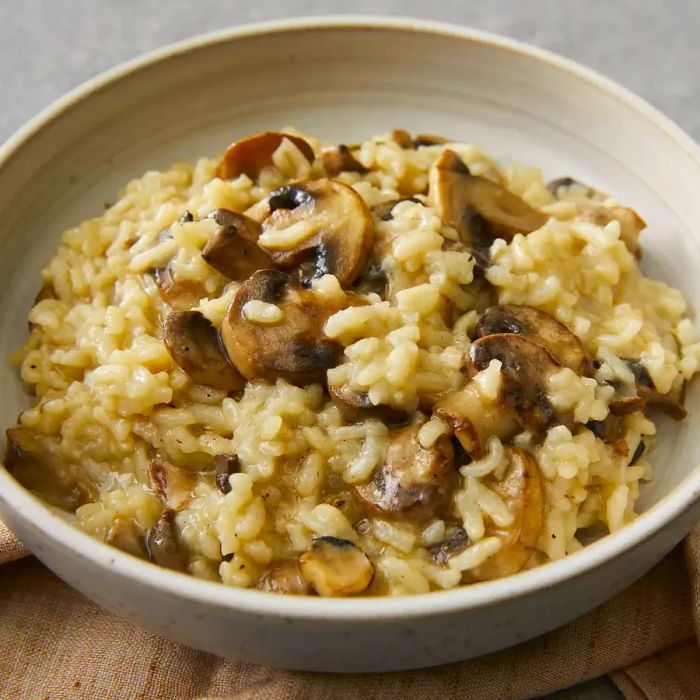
(348, 78)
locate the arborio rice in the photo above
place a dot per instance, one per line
(388, 368)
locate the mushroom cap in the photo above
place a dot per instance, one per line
(414, 482)
(540, 327)
(336, 567)
(173, 485)
(283, 577)
(522, 491)
(124, 535)
(323, 226)
(233, 249)
(194, 345)
(250, 155)
(355, 406)
(480, 209)
(35, 461)
(163, 545)
(293, 348)
(525, 368)
(475, 420)
(339, 159)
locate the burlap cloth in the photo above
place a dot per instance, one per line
(56, 644)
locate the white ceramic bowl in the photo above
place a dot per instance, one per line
(347, 79)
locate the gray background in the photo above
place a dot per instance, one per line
(653, 47)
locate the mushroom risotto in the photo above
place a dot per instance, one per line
(380, 368)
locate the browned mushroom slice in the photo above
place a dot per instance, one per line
(173, 485)
(402, 138)
(356, 406)
(564, 183)
(666, 403)
(180, 295)
(474, 420)
(194, 345)
(384, 211)
(46, 291)
(538, 326)
(414, 482)
(522, 491)
(525, 369)
(233, 249)
(284, 578)
(35, 461)
(124, 535)
(294, 346)
(224, 466)
(162, 543)
(336, 567)
(429, 140)
(631, 224)
(250, 155)
(480, 209)
(623, 405)
(456, 543)
(373, 280)
(338, 159)
(323, 226)
(647, 394)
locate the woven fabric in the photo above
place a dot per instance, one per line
(57, 644)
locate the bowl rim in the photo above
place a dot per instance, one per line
(350, 610)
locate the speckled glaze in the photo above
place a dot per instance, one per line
(348, 78)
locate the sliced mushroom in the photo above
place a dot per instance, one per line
(35, 461)
(565, 183)
(173, 485)
(338, 159)
(480, 209)
(623, 405)
(540, 327)
(124, 535)
(233, 249)
(525, 369)
(384, 211)
(180, 295)
(284, 578)
(647, 394)
(224, 466)
(46, 291)
(474, 420)
(373, 280)
(322, 226)
(414, 482)
(631, 224)
(611, 431)
(250, 155)
(336, 567)
(429, 140)
(162, 543)
(194, 345)
(356, 406)
(638, 452)
(402, 138)
(293, 348)
(664, 402)
(522, 491)
(457, 542)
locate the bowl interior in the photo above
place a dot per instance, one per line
(347, 83)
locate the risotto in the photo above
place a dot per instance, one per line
(381, 368)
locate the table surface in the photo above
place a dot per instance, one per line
(48, 47)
